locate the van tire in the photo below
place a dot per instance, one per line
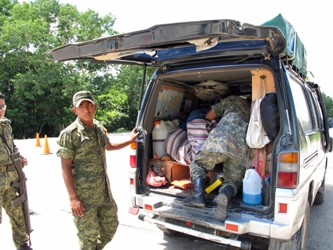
(299, 241)
(320, 196)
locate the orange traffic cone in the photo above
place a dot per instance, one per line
(46, 149)
(37, 141)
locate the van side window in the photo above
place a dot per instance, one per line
(312, 107)
(301, 106)
(318, 112)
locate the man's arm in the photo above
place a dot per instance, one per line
(210, 115)
(119, 145)
(75, 202)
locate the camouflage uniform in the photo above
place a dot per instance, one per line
(226, 143)
(7, 192)
(86, 148)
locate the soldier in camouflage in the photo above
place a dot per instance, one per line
(8, 174)
(226, 143)
(82, 152)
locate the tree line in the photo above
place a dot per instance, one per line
(39, 91)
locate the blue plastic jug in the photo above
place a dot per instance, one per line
(252, 187)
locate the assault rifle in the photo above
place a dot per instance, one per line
(22, 197)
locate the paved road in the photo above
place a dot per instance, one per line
(52, 221)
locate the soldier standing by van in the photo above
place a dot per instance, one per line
(8, 175)
(225, 143)
(82, 151)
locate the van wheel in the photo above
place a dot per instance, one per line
(299, 241)
(320, 196)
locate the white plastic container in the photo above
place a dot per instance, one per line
(252, 187)
(160, 131)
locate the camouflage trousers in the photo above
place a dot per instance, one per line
(97, 226)
(206, 161)
(15, 214)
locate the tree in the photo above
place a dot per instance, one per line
(6, 7)
(328, 101)
(119, 107)
(39, 90)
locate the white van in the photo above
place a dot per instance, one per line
(240, 56)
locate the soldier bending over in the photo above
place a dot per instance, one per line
(226, 143)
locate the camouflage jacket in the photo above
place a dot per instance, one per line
(229, 136)
(6, 131)
(86, 148)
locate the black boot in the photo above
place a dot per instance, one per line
(25, 246)
(223, 199)
(197, 197)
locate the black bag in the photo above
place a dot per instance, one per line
(269, 111)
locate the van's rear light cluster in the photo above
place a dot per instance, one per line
(133, 155)
(288, 167)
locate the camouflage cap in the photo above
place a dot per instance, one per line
(80, 96)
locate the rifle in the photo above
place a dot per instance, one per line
(21, 187)
(22, 191)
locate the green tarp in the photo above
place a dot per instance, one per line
(294, 51)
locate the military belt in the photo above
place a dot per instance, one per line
(6, 168)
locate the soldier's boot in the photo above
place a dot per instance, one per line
(25, 246)
(197, 197)
(223, 199)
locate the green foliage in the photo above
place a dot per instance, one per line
(118, 108)
(121, 130)
(6, 7)
(39, 91)
(328, 101)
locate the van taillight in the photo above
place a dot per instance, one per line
(287, 170)
(133, 155)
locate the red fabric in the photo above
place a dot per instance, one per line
(153, 180)
(257, 160)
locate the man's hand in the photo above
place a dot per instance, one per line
(24, 161)
(77, 207)
(134, 134)
(210, 115)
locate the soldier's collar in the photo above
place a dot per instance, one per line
(81, 126)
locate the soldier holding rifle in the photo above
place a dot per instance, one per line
(13, 195)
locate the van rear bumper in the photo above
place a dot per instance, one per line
(189, 231)
(191, 218)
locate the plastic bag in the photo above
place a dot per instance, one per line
(256, 136)
(153, 180)
(210, 90)
(269, 111)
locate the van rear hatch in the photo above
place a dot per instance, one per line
(178, 43)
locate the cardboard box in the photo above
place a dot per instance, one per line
(176, 171)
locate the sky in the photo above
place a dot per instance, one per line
(311, 20)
